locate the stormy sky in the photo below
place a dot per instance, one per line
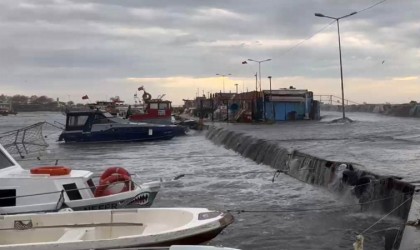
(104, 48)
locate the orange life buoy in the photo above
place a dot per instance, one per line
(113, 171)
(51, 170)
(101, 190)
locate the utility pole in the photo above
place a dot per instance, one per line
(256, 95)
(339, 50)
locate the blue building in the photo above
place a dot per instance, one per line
(290, 104)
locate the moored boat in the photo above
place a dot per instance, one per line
(97, 126)
(50, 188)
(157, 110)
(6, 109)
(110, 229)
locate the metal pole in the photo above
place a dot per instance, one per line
(227, 110)
(339, 49)
(341, 70)
(259, 71)
(263, 100)
(272, 103)
(223, 77)
(256, 94)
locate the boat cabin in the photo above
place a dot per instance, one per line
(155, 111)
(83, 120)
(159, 107)
(22, 191)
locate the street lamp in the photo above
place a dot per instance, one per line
(271, 100)
(223, 77)
(339, 49)
(259, 66)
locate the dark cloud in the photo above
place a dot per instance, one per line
(60, 41)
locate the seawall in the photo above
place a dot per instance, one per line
(400, 110)
(373, 191)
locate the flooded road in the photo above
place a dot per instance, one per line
(277, 214)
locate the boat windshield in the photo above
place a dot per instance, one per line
(107, 115)
(5, 161)
(75, 122)
(101, 119)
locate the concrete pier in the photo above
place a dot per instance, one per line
(410, 239)
(335, 157)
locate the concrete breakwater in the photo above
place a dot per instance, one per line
(375, 192)
(400, 110)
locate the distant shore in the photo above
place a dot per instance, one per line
(37, 107)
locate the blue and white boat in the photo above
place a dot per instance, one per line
(98, 126)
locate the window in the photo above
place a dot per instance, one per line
(163, 105)
(4, 161)
(77, 121)
(91, 185)
(153, 106)
(101, 119)
(8, 197)
(72, 192)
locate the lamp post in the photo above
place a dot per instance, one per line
(223, 77)
(271, 100)
(236, 88)
(259, 66)
(339, 49)
(259, 72)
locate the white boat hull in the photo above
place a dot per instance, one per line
(110, 229)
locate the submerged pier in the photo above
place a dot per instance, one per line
(290, 150)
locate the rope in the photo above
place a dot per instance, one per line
(312, 209)
(55, 126)
(386, 215)
(123, 158)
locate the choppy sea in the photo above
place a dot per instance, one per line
(221, 179)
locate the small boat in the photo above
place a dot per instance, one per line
(98, 126)
(6, 109)
(111, 229)
(157, 111)
(50, 188)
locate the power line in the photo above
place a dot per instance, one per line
(306, 39)
(370, 7)
(310, 37)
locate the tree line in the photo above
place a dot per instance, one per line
(22, 99)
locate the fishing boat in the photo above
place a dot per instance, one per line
(50, 188)
(98, 126)
(157, 110)
(111, 229)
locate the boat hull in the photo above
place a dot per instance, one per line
(142, 200)
(118, 135)
(160, 120)
(111, 229)
(137, 198)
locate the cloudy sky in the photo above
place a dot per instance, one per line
(103, 48)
